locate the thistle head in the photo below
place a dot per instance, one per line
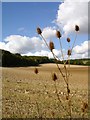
(76, 28)
(84, 107)
(36, 71)
(58, 34)
(39, 31)
(68, 39)
(69, 52)
(54, 76)
(67, 98)
(51, 45)
(68, 90)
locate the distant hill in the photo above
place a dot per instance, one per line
(8, 59)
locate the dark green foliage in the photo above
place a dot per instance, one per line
(8, 59)
(16, 60)
(85, 61)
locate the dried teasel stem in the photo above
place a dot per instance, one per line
(48, 45)
(58, 97)
(58, 34)
(38, 109)
(76, 29)
(54, 58)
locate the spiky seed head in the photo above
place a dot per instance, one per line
(58, 34)
(36, 71)
(67, 98)
(54, 76)
(68, 39)
(68, 90)
(51, 45)
(53, 113)
(85, 105)
(39, 30)
(82, 109)
(76, 28)
(69, 52)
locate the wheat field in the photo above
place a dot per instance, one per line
(29, 95)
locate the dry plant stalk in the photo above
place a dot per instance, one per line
(66, 75)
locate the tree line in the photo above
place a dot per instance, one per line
(8, 59)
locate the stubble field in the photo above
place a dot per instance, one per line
(29, 95)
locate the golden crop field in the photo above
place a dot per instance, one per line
(29, 95)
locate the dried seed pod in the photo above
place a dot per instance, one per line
(67, 98)
(39, 30)
(76, 28)
(69, 52)
(54, 76)
(58, 34)
(68, 90)
(82, 109)
(51, 45)
(85, 105)
(68, 39)
(53, 113)
(36, 71)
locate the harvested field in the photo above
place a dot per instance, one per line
(30, 95)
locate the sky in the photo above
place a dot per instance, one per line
(20, 20)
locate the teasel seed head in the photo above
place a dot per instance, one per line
(39, 31)
(51, 45)
(67, 98)
(85, 105)
(82, 109)
(36, 71)
(69, 52)
(76, 28)
(68, 39)
(68, 90)
(58, 34)
(54, 76)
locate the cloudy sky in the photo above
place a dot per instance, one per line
(20, 20)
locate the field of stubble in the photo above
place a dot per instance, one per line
(29, 95)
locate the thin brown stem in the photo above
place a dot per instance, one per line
(72, 46)
(58, 97)
(48, 46)
(74, 41)
(55, 59)
(61, 49)
(38, 110)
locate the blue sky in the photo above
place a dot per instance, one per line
(21, 19)
(27, 16)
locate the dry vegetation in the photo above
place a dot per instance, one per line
(30, 95)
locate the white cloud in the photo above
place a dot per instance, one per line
(38, 53)
(73, 12)
(34, 46)
(81, 51)
(2, 45)
(22, 44)
(49, 32)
